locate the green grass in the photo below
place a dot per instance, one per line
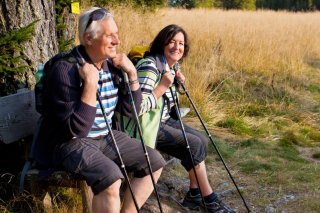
(236, 125)
(304, 175)
(275, 169)
(291, 137)
(254, 110)
(278, 117)
(225, 149)
(253, 143)
(253, 165)
(265, 157)
(310, 133)
(314, 88)
(256, 155)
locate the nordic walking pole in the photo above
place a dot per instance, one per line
(188, 147)
(126, 80)
(118, 152)
(213, 143)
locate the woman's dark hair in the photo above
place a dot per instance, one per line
(164, 37)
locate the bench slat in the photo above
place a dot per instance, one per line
(18, 116)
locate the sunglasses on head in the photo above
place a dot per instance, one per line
(96, 15)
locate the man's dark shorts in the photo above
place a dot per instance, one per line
(96, 160)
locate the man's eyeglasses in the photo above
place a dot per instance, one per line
(96, 15)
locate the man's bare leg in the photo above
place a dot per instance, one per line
(107, 200)
(142, 188)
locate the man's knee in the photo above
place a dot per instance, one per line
(156, 159)
(157, 173)
(112, 191)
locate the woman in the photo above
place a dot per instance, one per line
(157, 72)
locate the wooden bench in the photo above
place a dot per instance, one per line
(18, 120)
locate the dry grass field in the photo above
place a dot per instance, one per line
(254, 77)
(264, 50)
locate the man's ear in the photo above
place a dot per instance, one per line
(87, 38)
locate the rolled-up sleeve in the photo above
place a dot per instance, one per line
(148, 75)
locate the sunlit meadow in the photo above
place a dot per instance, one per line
(255, 79)
(240, 61)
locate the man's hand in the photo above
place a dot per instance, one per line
(90, 76)
(121, 61)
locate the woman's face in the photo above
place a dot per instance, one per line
(173, 51)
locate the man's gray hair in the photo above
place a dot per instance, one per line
(94, 26)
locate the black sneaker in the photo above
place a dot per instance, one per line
(192, 202)
(218, 207)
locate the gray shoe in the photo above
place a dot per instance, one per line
(218, 207)
(195, 202)
(192, 202)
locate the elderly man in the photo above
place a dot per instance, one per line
(73, 133)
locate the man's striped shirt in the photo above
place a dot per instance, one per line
(109, 98)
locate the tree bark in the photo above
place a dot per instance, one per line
(16, 14)
(70, 21)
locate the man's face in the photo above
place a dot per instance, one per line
(107, 39)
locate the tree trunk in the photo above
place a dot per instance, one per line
(70, 21)
(16, 14)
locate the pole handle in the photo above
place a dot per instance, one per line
(125, 76)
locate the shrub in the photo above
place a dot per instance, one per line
(11, 55)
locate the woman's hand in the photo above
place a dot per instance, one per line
(166, 80)
(180, 77)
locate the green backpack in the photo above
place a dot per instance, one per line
(150, 121)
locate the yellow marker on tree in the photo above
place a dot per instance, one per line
(75, 7)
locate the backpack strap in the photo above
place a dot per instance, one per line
(151, 59)
(161, 65)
